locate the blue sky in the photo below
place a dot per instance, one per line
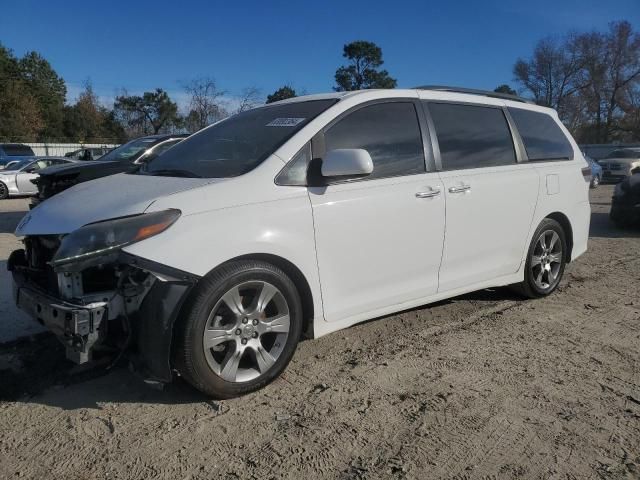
(141, 45)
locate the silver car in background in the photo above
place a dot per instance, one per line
(619, 164)
(16, 178)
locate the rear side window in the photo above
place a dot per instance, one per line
(542, 137)
(471, 136)
(17, 150)
(388, 131)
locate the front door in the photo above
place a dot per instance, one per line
(379, 238)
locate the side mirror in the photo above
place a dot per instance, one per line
(345, 162)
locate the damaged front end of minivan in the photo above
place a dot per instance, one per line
(97, 298)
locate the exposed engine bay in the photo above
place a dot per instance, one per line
(97, 306)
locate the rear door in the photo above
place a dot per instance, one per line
(379, 238)
(490, 196)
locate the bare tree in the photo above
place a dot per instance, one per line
(591, 78)
(206, 104)
(551, 75)
(248, 99)
(611, 73)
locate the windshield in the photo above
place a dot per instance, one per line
(17, 165)
(625, 153)
(238, 144)
(129, 151)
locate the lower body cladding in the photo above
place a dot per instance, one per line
(113, 304)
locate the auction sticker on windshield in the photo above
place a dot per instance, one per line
(285, 122)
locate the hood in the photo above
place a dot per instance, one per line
(109, 197)
(79, 167)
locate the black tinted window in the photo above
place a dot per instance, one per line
(388, 131)
(17, 150)
(238, 144)
(471, 136)
(541, 135)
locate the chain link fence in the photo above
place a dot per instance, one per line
(59, 149)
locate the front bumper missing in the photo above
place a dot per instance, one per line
(82, 325)
(77, 326)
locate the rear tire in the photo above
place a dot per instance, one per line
(4, 191)
(239, 329)
(546, 260)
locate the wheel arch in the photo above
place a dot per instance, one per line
(296, 275)
(565, 223)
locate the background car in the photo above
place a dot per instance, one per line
(14, 151)
(596, 172)
(88, 153)
(17, 178)
(625, 204)
(125, 158)
(619, 164)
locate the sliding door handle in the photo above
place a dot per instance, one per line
(429, 193)
(460, 189)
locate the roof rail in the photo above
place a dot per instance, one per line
(473, 91)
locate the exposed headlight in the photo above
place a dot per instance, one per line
(103, 238)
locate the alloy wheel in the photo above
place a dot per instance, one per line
(246, 331)
(546, 260)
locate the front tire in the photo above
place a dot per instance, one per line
(546, 260)
(239, 329)
(4, 191)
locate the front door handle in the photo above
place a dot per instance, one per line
(434, 192)
(460, 189)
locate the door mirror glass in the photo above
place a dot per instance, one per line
(345, 162)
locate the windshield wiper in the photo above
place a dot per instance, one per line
(172, 172)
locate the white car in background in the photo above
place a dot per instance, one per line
(306, 215)
(620, 163)
(15, 178)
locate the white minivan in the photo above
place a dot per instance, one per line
(304, 217)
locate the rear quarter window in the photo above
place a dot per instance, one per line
(542, 137)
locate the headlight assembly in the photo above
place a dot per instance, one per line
(103, 238)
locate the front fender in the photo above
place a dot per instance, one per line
(198, 243)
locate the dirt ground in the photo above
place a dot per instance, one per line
(483, 386)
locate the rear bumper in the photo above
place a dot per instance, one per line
(580, 223)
